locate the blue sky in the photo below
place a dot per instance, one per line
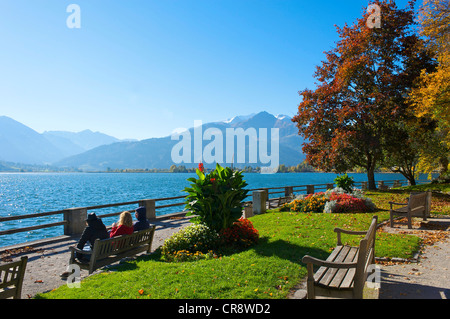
(140, 69)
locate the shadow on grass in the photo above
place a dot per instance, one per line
(286, 250)
(265, 247)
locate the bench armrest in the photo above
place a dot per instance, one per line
(394, 203)
(350, 232)
(338, 231)
(74, 250)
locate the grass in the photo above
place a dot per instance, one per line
(270, 269)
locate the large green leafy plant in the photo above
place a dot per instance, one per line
(216, 198)
(345, 182)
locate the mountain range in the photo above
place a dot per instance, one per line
(89, 150)
(21, 144)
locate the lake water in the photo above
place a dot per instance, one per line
(28, 193)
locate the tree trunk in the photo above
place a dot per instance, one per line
(371, 178)
(443, 161)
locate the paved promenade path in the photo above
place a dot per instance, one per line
(429, 278)
(47, 262)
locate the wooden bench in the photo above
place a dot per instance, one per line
(11, 278)
(418, 205)
(345, 271)
(108, 251)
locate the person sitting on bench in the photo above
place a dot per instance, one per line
(94, 229)
(124, 227)
(142, 221)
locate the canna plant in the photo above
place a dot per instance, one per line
(215, 199)
(345, 182)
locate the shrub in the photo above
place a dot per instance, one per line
(330, 207)
(241, 234)
(193, 238)
(310, 203)
(216, 198)
(346, 203)
(185, 255)
(345, 182)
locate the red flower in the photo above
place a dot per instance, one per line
(213, 180)
(240, 234)
(201, 168)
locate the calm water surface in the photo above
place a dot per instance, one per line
(28, 193)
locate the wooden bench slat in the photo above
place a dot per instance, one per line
(345, 277)
(331, 272)
(322, 270)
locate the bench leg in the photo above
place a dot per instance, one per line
(409, 222)
(310, 294)
(391, 219)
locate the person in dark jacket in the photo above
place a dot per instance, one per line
(95, 229)
(142, 222)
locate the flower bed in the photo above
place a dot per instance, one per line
(332, 201)
(241, 234)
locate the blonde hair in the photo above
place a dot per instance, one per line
(126, 219)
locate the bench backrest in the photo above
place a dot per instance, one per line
(366, 254)
(417, 200)
(116, 245)
(11, 278)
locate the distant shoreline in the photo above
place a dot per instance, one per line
(167, 171)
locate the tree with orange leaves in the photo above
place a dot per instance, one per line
(360, 99)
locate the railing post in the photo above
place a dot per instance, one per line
(330, 186)
(149, 205)
(248, 211)
(289, 191)
(309, 189)
(364, 186)
(396, 184)
(76, 221)
(259, 201)
(382, 186)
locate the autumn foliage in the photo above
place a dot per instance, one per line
(431, 97)
(358, 111)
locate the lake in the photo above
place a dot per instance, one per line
(28, 193)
